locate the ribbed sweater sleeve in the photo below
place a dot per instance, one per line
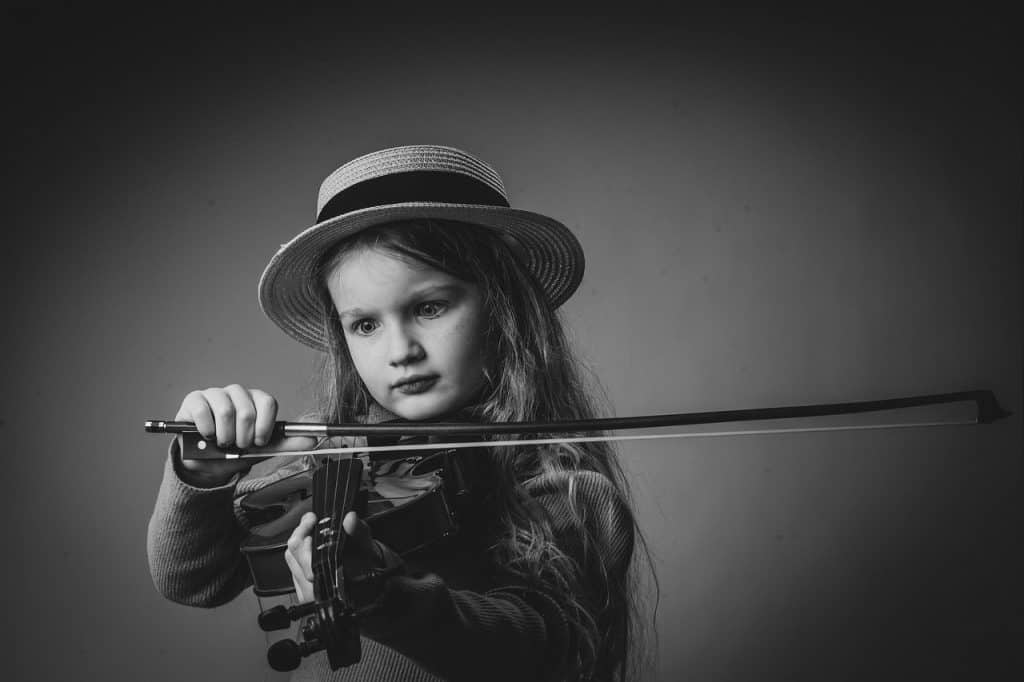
(192, 543)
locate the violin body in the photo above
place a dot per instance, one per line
(409, 503)
(277, 510)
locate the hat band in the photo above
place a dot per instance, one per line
(411, 186)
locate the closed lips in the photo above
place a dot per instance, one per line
(413, 380)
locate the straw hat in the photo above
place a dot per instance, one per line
(403, 183)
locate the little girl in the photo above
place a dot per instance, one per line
(432, 299)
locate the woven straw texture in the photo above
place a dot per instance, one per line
(406, 159)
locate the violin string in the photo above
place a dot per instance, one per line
(594, 439)
(336, 538)
(337, 525)
(332, 538)
(348, 502)
(340, 534)
(322, 539)
(329, 503)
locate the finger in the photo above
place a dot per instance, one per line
(196, 409)
(351, 524)
(292, 561)
(303, 585)
(245, 414)
(304, 527)
(298, 588)
(300, 562)
(299, 549)
(223, 413)
(306, 558)
(266, 414)
(303, 589)
(362, 537)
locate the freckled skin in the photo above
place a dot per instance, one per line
(402, 319)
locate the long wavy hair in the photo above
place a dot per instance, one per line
(531, 374)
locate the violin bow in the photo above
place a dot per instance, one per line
(987, 407)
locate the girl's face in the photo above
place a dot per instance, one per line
(415, 334)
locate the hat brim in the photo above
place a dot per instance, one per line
(290, 297)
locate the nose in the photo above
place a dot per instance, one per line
(404, 348)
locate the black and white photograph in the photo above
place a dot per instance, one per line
(463, 343)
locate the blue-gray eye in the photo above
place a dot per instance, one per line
(364, 327)
(431, 308)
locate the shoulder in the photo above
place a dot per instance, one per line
(586, 503)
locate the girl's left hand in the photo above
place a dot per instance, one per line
(361, 553)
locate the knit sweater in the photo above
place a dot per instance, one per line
(449, 617)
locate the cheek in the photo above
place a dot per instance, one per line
(472, 349)
(363, 361)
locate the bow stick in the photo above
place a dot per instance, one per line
(987, 411)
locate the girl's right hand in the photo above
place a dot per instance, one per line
(233, 416)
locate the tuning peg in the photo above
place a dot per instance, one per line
(280, 617)
(286, 654)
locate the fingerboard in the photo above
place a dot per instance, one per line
(335, 485)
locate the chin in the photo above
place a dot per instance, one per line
(419, 410)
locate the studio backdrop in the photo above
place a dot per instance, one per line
(773, 213)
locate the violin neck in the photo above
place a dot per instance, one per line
(335, 486)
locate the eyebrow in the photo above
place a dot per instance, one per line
(426, 292)
(352, 312)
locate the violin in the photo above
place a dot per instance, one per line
(410, 502)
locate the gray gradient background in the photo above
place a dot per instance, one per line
(774, 212)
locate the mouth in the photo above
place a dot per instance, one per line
(415, 384)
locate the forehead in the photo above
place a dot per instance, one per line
(369, 274)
